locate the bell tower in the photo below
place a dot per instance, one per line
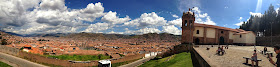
(188, 19)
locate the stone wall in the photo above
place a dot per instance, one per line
(9, 50)
(45, 60)
(201, 60)
(128, 58)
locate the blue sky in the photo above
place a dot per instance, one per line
(222, 12)
(123, 16)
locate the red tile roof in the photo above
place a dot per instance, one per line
(213, 26)
(27, 45)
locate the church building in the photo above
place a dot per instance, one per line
(210, 34)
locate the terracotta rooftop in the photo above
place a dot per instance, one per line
(27, 45)
(218, 27)
(245, 32)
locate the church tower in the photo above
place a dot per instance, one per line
(188, 19)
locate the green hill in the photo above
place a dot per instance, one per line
(177, 60)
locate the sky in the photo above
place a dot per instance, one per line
(123, 16)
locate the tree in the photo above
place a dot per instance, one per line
(263, 23)
(4, 42)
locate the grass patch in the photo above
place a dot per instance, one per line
(178, 60)
(80, 57)
(2, 64)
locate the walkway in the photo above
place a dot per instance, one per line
(18, 62)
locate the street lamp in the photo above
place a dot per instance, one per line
(271, 32)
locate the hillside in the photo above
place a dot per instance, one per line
(101, 36)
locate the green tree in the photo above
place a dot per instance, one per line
(4, 42)
(264, 23)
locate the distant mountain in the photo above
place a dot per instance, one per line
(101, 36)
(11, 33)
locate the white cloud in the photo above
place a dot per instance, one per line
(172, 30)
(111, 18)
(240, 18)
(196, 10)
(147, 20)
(143, 31)
(277, 10)
(97, 27)
(177, 22)
(53, 5)
(113, 32)
(175, 16)
(46, 16)
(13, 13)
(226, 7)
(225, 25)
(126, 29)
(91, 12)
(200, 16)
(238, 24)
(251, 13)
(184, 5)
(256, 14)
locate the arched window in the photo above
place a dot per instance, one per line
(222, 31)
(197, 31)
(186, 23)
(240, 36)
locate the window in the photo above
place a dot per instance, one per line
(240, 35)
(186, 23)
(222, 31)
(197, 31)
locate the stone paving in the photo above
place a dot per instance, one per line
(234, 55)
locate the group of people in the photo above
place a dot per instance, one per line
(276, 50)
(221, 50)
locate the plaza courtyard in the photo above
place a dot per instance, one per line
(233, 56)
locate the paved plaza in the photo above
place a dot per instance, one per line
(234, 55)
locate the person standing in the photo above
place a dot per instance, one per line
(265, 50)
(277, 51)
(254, 58)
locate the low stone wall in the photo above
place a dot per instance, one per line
(128, 58)
(17, 62)
(9, 50)
(202, 59)
(41, 59)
